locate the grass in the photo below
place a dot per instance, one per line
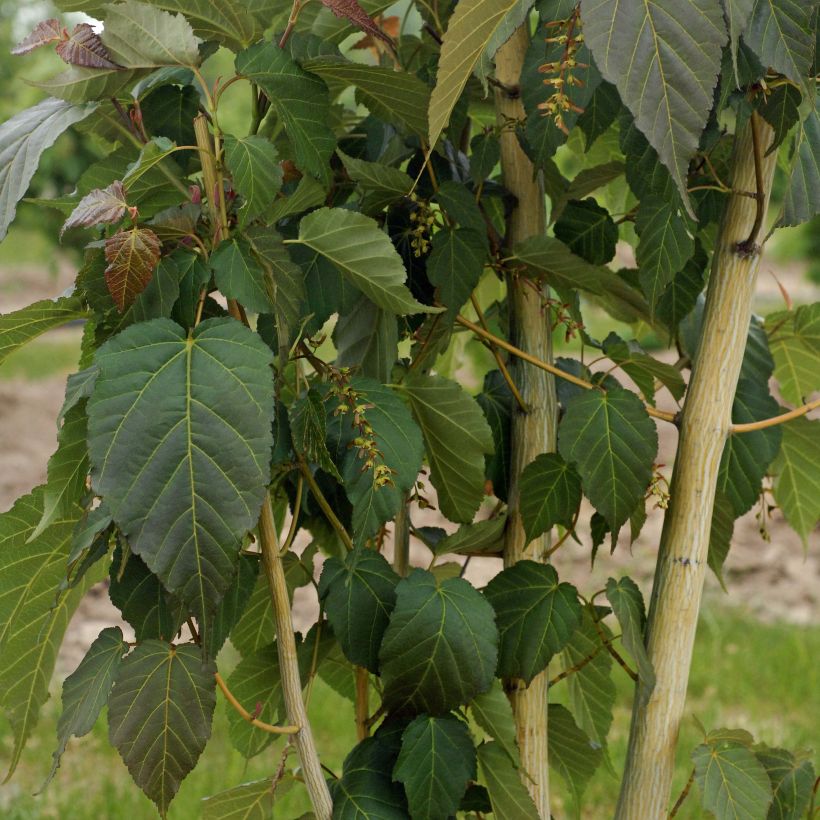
(54, 354)
(762, 677)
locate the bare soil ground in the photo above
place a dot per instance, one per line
(774, 579)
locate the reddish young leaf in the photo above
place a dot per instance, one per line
(132, 256)
(352, 11)
(102, 205)
(85, 48)
(48, 31)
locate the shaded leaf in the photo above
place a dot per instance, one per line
(550, 494)
(560, 266)
(257, 175)
(627, 604)
(720, 534)
(159, 715)
(588, 230)
(255, 628)
(792, 779)
(366, 789)
(572, 754)
(308, 427)
(454, 266)
(781, 111)
(496, 400)
(781, 34)
(802, 197)
(492, 711)
(367, 339)
(439, 649)
(132, 256)
(478, 538)
(535, 614)
(239, 275)
(381, 184)
(508, 795)
(643, 368)
(233, 605)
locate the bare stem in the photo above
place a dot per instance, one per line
(683, 795)
(781, 419)
(362, 703)
(325, 506)
(259, 724)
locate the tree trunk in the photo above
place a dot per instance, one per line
(533, 432)
(681, 565)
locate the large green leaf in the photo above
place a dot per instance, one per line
(792, 779)
(249, 801)
(456, 436)
(359, 594)
(492, 711)
(23, 138)
(535, 614)
(436, 762)
(588, 230)
(471, 28)
(33, 619)
(381, 185)
(733, 783)
(364, 254)
(667, 73)
(440, 647)
(197, 411)
(508, 795)
(255, 628)
(627, 604)
(797, 483)
(300, 100)
(746, 456)
(21, 326)
(613, 442)
(794, 341)
(591, 688)
(394, 96)
(86, 689)
(781, 109)
(550, 494)
(781, 33)
(549, 256)
(141, 36)
(257, 175)
(239, 275)
(572, 754)
(802, 198)
(367, 339)
(478, 538)
(159, 715)
(455, 264)
(78, 85)
(665, 246)
(366, 790)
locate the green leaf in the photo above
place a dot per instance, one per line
(67, 470)
(397, 97)
(746, 456)
(79, 85)
(550, 494)
(233, 605)
(560, 266)
(643, 369)
(191, 403)
(454, 266)
(733, 783)
(257, 685)
(366, 790)
(240, 276)
(591, 689)
(737, 14)
(250, 801)
(781, 109)
(588, 230)
(23, 139)
(159, 715)
(308, 429)
(792, 779)
(364, 254)
(471, 28)
(254, 165)
(160, 295)
(627, 604)
(86, 689)
(508, 795)
(359, 594)
(496, 400)
(665, 246)
(781, 33)
(440, 647)
(381, 185)
(33, 618)
(255, 628)
(720, 534)
(667, 75)
(802, 197)
(300, 100)
(21, 326)
(169, 111)
(613, 443)
(367, 340)
(599, 112)
(485, 153)
(456, 436)
(436, 762)
(681, 294)
(572, 754)
(794, 341)
(478, 538)
(797, 484)
(194, 275)
(535, 614)
(492, 711)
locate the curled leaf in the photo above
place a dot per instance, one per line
(45, 32)
(352, 11)
(85, 48)
(132, 256)
(102, 205)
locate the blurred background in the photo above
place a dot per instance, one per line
(756, 658)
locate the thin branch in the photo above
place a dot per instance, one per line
(294, 521)
(259, 724)
(294, 16)
(683, 795)
(550, 368)
(612, 650)
(775, 420)
(325, 505)
(562, 540)
(749, 245)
